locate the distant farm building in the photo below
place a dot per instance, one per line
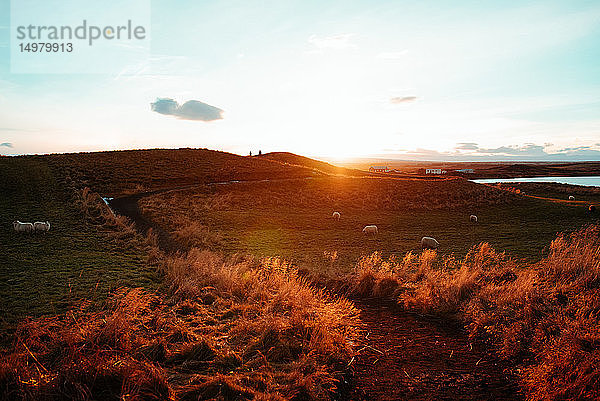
(379, 169)
(434, 171)
(465, 170)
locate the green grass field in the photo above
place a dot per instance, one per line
(46, 273)
(261, 220)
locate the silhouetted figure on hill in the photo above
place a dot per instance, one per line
(250, 153)
(260, 152)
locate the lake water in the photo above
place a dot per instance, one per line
(588, 181)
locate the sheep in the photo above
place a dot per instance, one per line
(429, 243)
(22, 227)
(571, 197)
(41, 226)
(473, 218)
(372, 229)
(336, 216)
(592, 208)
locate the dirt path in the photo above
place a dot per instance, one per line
(128, 206)
(408, 357)
(403, 356)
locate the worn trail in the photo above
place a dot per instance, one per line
(408, 357)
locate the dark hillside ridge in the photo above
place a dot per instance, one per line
(118, 173)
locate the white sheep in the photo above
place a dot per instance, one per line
(473, 218)
(336, 216)
(372, 229)
(429, 243)
(571, 197)
(22, 227)
(41, 226)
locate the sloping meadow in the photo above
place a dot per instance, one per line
(228, 328)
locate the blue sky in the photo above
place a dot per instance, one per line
(471, 80)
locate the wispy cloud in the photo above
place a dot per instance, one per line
(402, 99)
(190, 110)
(340, 41)
(528, 149)
(392, 55)
(12, 129)
(468, 151)
(466, 146)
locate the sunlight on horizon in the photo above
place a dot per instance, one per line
(342, 80)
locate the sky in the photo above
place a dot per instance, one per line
(435, 80)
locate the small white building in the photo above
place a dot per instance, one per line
(434, 171)
(465, 170)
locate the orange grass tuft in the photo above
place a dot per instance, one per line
(544, 317)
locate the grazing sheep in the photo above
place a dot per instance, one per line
(370, 230)
(592, 208)
(22, 227)
(336, 215)
(41, 226)
(473, 218)
(429, 243)
(571, 197)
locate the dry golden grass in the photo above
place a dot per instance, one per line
(544, 317)
(225, 328)
(190, 234)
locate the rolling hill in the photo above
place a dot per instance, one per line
(296, 160)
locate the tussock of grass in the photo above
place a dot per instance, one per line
(190, 234)
(268, 296)
(118, 227)
(544, 317)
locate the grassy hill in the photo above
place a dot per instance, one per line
(122, 172)
(297, 160)
(47, 273)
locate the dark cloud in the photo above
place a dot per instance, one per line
(190, 110)
(165, 106)
(6, 144)
(402, 99)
